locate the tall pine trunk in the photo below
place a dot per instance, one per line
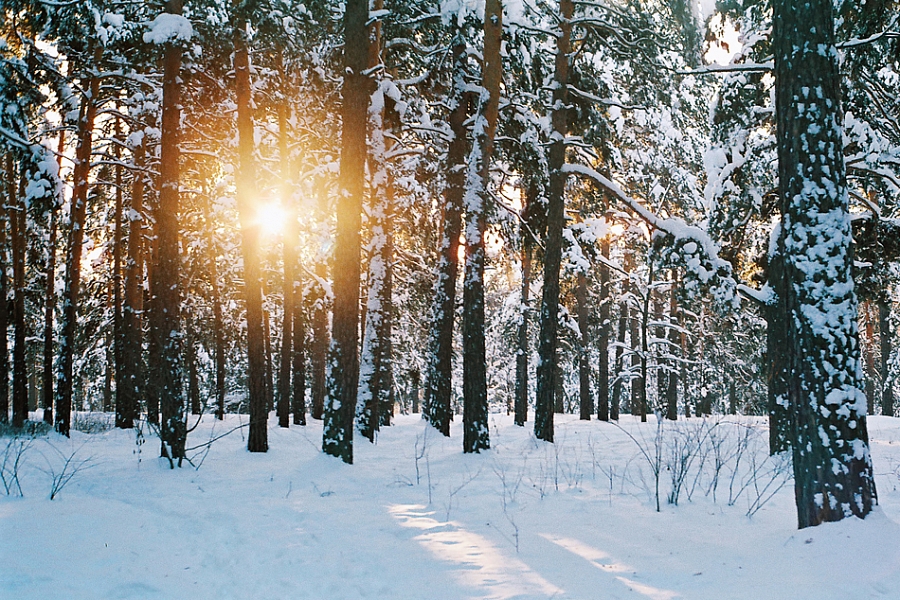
(438, 385)
(74, 248)
(17, 223)
(4, 291)
(603, 412)
(343, 368)
(50, 296)
(833, 476)
(522, 351)
(165, 280)
(556, 204)
(289, 255)
(586, 403)
(476, 435)
(257, 438)
(128, 395)
(374, 398)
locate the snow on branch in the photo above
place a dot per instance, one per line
(677, 242)
(166, 28)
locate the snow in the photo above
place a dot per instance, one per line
(167, 28)
(525, 520)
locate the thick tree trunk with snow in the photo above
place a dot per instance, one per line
(17, 218)
(74, 249)
(832, 466)
(547, 342)
(438, 370)
(4, 311)
(257, 438)
(165, 283)
(343, 368)
(475, 403)
(375, 399)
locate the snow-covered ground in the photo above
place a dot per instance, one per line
(415, 518)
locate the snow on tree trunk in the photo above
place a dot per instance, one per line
(343, 363)
(547, 342)
(438, 388)
(17, 218)
(165, 283)
(603, 336)
(521, 407)
(257, 438)
(374, 398)
(8, 185)
(833, 476)
(475, 401)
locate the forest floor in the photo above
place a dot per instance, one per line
(414, 518)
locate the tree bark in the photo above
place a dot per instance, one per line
(887, 385)
(438, 384)
(833, 476)
(128, 395)
(375, 398)
(4, 291)
(289, 251)
(74, 247)
(624, 317)
(586, 403)
(603, 412)
(343, 375)
(50, 296)
(476, 435)
(556, 203)
(257, 438)
(165, 282)
(17, 220)
(522, 349)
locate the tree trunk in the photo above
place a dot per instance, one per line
(476, 435)
(343, 379)
(216, 300)
(165, 282)
(320, 342)
(887, 385)
(620, 363)
(17, 224)
(74, 247)
(50, 297)
(603, 336)
(374, 399)
(4, 304)
(438, 384)
(868, 351)
(289, 250)
(122, 410)
(675, 341)
(556, 203)
(522, 350)
(128, 395)
(833, 476)
(257, 438)
(586, 403)
(298, 359)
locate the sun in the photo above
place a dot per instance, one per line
(271, 218)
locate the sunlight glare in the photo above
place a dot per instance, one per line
(271, 218)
